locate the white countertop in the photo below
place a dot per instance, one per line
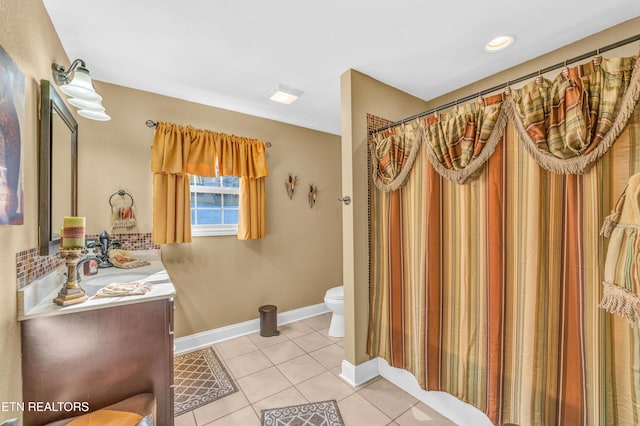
(30, 305)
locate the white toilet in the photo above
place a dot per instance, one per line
(334, 299)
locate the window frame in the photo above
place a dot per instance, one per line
(213, 230)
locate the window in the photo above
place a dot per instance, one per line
(214, 205)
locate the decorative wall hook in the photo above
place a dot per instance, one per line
(313, 194)
(290, 185)
(346, 200)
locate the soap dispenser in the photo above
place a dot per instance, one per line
(91, 265)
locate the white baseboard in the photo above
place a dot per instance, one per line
(356, 375)
(210, 337)
(457, 411)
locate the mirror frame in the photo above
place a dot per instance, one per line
(50, 101)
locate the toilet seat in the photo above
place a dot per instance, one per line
(336, 293)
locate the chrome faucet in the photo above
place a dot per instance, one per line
(105, 243)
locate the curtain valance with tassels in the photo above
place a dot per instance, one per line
(179, 151)
(565, 124)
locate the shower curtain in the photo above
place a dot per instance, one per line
(487, 263)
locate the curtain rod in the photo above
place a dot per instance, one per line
(154, 124)
(517, 80)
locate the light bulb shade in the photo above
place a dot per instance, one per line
(94, 115)
(87, 105)
(81, 86)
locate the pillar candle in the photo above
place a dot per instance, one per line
(73, 233)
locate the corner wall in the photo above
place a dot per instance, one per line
(360, 94)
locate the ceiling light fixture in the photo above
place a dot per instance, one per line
(499, 43)
(80, 88)
(284, 95)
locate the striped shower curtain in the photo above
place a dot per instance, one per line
(489, 290)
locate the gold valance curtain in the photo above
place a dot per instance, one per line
(569, 123)
(460, 144)
(179, 151)
(393, 155)
(565, 124)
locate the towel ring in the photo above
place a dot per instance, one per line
(121, 193)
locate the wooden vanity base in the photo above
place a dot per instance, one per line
(99, 357)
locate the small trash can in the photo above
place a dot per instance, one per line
(268, 320)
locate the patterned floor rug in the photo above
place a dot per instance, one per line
(199, 378)
(323, 413)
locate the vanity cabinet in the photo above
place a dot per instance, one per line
(99, 357)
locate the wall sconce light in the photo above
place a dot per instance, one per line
(80, 88)
(290, 185)
(313, 194)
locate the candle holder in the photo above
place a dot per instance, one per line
(71, 292)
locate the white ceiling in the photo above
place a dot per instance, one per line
(229, 54)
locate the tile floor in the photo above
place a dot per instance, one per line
(302, 365)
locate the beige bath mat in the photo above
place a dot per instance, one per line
(324, 413)
(199, 378)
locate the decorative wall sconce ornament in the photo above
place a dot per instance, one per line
(313, 194)
(290, 185)
(80, 88)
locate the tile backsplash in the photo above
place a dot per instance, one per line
(137, 241)
(30, 265)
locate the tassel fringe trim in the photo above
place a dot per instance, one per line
(622, 302)
(577, 165)
(610, 223)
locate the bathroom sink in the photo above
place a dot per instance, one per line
(91, 285)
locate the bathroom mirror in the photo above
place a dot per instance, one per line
(58, 168)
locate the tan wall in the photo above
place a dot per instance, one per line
(361, 95)
(221, 280)
(28, 36)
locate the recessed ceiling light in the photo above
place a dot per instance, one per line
(284, 95)
(499, 43)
